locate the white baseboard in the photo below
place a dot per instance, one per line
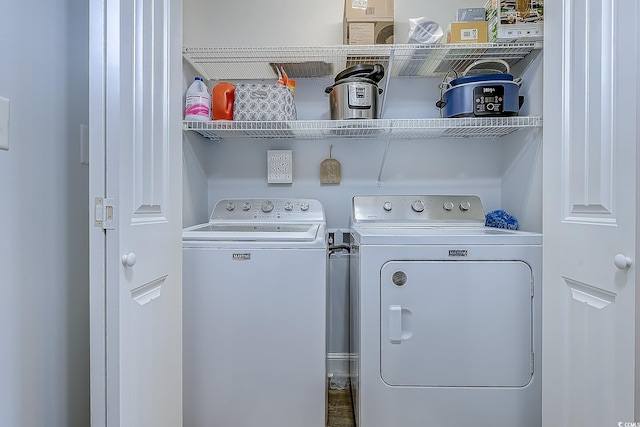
(338, 364)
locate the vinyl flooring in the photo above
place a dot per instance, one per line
(340, 409)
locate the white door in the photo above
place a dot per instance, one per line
(136, 160)
(456, 323)
(590, 136)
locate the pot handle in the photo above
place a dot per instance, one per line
(377, 73)
(488, 61)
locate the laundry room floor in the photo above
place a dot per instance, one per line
(340, 408)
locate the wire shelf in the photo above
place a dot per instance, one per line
(406, 60)
(493, 127)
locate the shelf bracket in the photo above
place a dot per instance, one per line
(386, 81)
(383, 161)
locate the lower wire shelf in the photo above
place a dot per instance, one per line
(471, 127)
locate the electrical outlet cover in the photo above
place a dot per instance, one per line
(4, 123)
(279, 166)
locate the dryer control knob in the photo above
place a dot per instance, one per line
(387, 206)
(288, 206)
(231, 206)
(267, 206)
(448, 206)
(465, 206)
(418, 206)
(246, 206)
(304, 207)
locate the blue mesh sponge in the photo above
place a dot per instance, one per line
(501, 219)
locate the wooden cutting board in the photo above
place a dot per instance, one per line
(330, 170)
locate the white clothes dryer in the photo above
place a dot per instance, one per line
(254, 322)
(445, 315)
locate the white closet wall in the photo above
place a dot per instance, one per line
(506, 173)
(44, 216)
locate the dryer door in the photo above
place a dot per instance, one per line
(456, 323)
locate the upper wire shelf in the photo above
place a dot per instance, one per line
(472, 127)
(401, 60)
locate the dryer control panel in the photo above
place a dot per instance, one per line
(419, 209)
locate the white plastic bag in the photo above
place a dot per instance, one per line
(424, 31)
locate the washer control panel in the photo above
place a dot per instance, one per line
(419, 209)
(268, 210)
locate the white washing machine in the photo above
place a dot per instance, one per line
(254, 322)
(445, 315)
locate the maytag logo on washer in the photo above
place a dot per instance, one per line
(457, 252)
(241, 257)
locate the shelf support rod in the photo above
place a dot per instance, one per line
(387, 80)
(384, 160)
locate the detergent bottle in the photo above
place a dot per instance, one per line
(197, 102)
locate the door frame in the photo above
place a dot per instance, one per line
(97, 235)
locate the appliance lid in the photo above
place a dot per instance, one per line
(261, 220)
(373, 72)
(399, 235)
(481, 78)
(254, 232)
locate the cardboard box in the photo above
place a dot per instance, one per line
(515, 20)
(365, 10)
(467, 32)
(467, 14)
(373, 32)
(368, 22)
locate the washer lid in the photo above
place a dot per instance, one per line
(254, 232)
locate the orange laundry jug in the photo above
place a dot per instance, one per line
(222, 101)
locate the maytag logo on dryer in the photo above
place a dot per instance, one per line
(458, 253)
(241, 257)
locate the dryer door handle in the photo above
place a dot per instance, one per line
(394, 315)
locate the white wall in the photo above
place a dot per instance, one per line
(505, 173)
(521, 187)
(44, 338)
(291, 23)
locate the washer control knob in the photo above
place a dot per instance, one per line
(246, 206)
(417, 206)
(267, 206)
(231, 206)
(448, 206)
(465, 206)
(304, 206)
(288, 206)
(387, 206)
